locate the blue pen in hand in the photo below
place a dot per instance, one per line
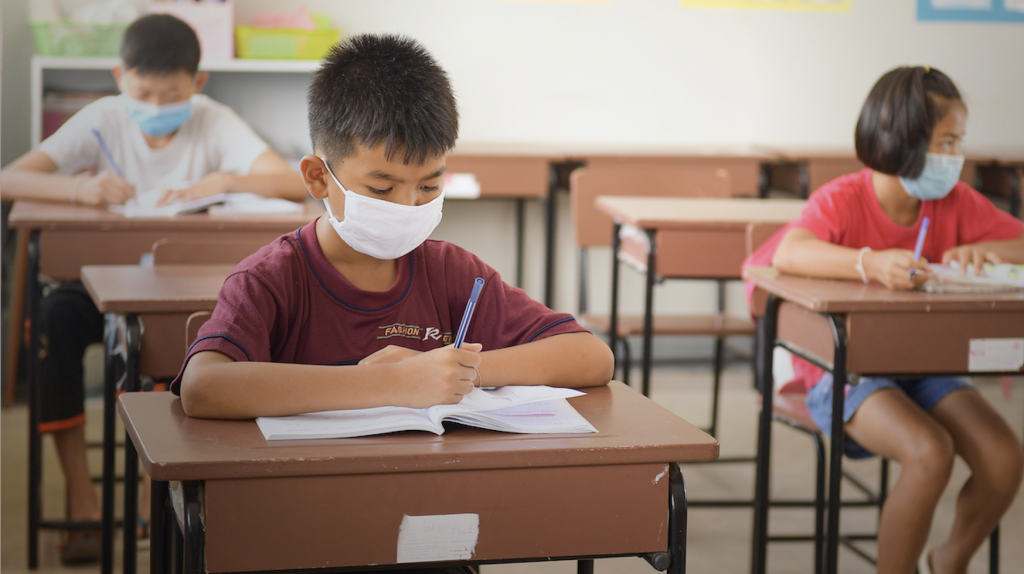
(106, 152)
(460, 336)
(920, 241)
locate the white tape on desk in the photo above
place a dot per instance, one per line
(996, 355)
(438, 538)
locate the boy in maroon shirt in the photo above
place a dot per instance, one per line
(358, 309)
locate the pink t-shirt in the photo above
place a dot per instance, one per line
(286, 303)
(846, 212)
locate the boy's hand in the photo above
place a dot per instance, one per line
(105, 188)
(210, 184)
(967, 254)
(439, 376)
(891, 268)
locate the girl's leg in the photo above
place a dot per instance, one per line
(83, 504)
(891, 425)
(994, 454)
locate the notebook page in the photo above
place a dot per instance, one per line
(345, 423)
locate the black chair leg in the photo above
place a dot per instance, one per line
(627, 360)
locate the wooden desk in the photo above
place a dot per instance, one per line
(516, 177)
(63, 237)
(847, 327)
(685, 238)
(158, 299)
(339, 503)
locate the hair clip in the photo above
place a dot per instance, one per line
(927, 69)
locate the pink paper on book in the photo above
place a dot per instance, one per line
(299, 19)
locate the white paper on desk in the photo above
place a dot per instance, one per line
(437, 538)
(461, 186)
(144, 204)
(996, 355)
(252, 203)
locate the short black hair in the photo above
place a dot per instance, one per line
(896, 123)
(388, 89)
(160, 44)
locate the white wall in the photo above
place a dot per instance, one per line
(627, 74)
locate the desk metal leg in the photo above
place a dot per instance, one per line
(194, 560)
(766, 332)
(161, 526)
(549, 247)
(676, 520)
(35, 458)
(835, 466)
(652, 255)
(133, 342)
(520, 239)
(584, 567)
(613, 312)
(110, 337)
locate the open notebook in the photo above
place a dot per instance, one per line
(517, 409)
(144, 205)
(948, 279)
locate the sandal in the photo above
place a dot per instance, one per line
(80, 546)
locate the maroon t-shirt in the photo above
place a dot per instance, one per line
(287, 304)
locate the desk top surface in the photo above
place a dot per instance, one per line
(632, 430)
(837, 296)
(154, 289)
(693, 213)
(64, 217)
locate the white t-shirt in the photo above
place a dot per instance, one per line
(214, 139)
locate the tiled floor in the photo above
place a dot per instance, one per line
(718, 542)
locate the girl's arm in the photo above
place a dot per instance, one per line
(997, 252)
(801, 253)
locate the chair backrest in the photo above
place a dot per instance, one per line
(204, 251)
(758, 233)
(192, 325)
(647, 176)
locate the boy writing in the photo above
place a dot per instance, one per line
(356, 309)
(159, 131)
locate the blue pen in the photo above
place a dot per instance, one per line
(106, 152)
(920, 241)
(478, 284)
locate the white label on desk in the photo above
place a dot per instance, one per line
(438, 538)
(461, 186)
(996, 355)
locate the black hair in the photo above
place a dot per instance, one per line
(382, 88)
(160, 44)
(896, 123)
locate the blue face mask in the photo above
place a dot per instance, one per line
(937, 179)
(157, 121)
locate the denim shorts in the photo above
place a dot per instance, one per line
(925, 392)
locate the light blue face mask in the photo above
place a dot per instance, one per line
(937, 179)
(157, 121)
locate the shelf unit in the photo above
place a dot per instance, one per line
(42, 63)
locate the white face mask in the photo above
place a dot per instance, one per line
(382, 229)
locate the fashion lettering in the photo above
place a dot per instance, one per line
(399, 330)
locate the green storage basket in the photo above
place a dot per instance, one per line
(64, 38)
(284, 43)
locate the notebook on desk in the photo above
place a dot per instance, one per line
(949, 279)
(515, 409)
(145, 205)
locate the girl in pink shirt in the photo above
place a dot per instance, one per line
(864, 226)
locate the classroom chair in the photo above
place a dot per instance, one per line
(204, 251)
(648, 177)
(1000, 182)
